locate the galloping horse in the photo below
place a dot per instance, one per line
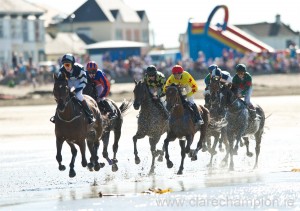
(151, 121)
(181, 125)
(218, 123)
(71, 125)
(109, 125)
(240, 125)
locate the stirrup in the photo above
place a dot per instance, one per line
(52, 119)
(91, 120)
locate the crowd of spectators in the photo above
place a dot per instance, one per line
(285, 61)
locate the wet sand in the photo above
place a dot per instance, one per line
(30, 179)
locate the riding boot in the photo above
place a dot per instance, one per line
(160, 105)
(252, 112)
(109, 109)
(198, 119)
(88, 112)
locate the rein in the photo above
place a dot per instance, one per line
(74, 118)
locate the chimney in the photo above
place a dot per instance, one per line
(277, 20)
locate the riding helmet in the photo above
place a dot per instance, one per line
(241, 68)
(151, 70)
(91, 65)
(212, 67)
(177, 69)
(68, 58)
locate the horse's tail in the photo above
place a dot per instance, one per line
(125, 106)
(261, 113)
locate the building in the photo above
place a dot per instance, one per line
(103, 20)
(278, 35)
(22, 33)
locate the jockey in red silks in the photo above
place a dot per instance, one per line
(98, 78)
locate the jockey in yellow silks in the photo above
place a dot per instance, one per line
(187, 82)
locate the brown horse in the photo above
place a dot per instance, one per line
(71, 125)
(109, 125)
(181, 125)
(151, 122)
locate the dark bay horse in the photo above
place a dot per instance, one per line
(240, 124)
(71, 125)
(109, 125)
(181, 125)
(151, 122)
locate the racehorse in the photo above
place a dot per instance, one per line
(151, 122)
(109, 125)
(181, 125)
(240, 124)
(71, 125)
(218, 123)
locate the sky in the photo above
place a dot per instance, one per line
(169, 18)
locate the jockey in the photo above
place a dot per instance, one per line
(76, 78)
(242, 86)
(207, 78)
(225, 77)
(98, 78)
(185, 80)
(155, 81)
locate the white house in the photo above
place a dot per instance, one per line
(22, 32)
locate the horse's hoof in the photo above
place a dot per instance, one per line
(169, 164)
(179, 172)
(84, 164)
(241, 144)
(209, 165)
(191, 153)
(249, 154)
(221, 149)
(187, 150)
(194, 158)
(160, 158)
(114, 167)
(62, 168)
(102, 165)
(204, 148)
(231, 168)
(110, 162)
(235, 152)
(213, 152)
(137, 160)
(90, 166)
(72, 173)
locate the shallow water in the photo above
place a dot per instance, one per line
(30, 179)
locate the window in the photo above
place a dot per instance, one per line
(1, 29)
(145, 35)
(25, 30)
(137, 35)
(128, 35)
(119, 35)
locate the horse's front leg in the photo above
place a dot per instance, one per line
(231, 140)
(59, 144)
(183, 152)
(249, 154)
(82, 147)
(166, 146)
(153, 142)
(135, 138)
(72, 172)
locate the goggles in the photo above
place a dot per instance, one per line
(67, 65)
(92, 72)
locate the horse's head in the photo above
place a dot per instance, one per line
(172, 96)
(226, 96)
(61, 91)
(139, 92)
(215, 84)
